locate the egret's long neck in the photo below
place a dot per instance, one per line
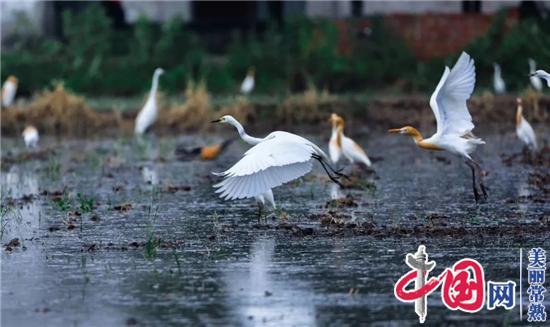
(519, 115)
(245, 137)
(154, 85)
(532, 66)
(415, 134)
(337, 132)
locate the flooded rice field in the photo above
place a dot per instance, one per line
(116, 231)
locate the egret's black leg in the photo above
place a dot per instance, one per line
(325, 165)
(481, 175)
(259, 213)
(334, 179)
(474, 182)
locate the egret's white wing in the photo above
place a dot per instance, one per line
(526, 134)
(354, 152)
(448, 101)
(281, 158)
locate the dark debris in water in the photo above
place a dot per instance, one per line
(174, 189)
(123, 207)
(347, 201)
(14, 243)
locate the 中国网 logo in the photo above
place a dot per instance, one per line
(464, 288)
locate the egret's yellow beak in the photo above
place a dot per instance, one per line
(394, 130)
(216, 121)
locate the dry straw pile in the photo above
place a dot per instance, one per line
(55, 111)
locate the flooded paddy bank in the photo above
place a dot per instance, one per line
(116, 231)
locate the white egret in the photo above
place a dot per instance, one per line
(535, 81)
(454, 123)
(340, 144)
(9, 89)
(542, 74)
(524, 130)
(148, 114)
(248, 83)
(274, 160)
(498, 83)
(30, 136)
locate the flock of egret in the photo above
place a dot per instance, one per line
(281, 157)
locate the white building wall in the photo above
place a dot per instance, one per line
(158, 11)
(328, 9)
(410, 7)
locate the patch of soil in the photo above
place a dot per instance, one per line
(123, 207)
(174, 189)
(12, 244)
(345, 202)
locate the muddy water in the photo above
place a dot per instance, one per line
(157, 246)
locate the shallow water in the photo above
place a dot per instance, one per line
(215, 265)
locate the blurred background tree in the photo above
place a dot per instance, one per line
(96, 56)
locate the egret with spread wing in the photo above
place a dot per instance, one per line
(542, 74)
(524, 130)
(274, 160)
(148, 114)
(454, 123)
(340, 144)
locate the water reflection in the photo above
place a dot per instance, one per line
(335, 192)
(21, 220)
(523, 193)
(150, 175)
(260, 296)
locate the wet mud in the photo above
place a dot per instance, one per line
(117, 231)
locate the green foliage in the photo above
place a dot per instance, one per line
(85, 204)
(64, 203)
(94, 58)
(528, 39)
(88, 37)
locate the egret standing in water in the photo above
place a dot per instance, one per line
(30, 137)
(9, 89)
(498, 83)
(340, 144)
(524, 130)
(248, 83)
(148, 114)
(542, 74)
(274, 160)
(535, 81)
(454, 123)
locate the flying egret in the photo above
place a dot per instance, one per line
(524, 130)
(535, 81)
(340, 144)
(209, 152)
(542, 74)
(248, 83)
(148, 113)
(274, 160)
(8, 91)
(30, 136)
(498, 83)
(454, 123)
